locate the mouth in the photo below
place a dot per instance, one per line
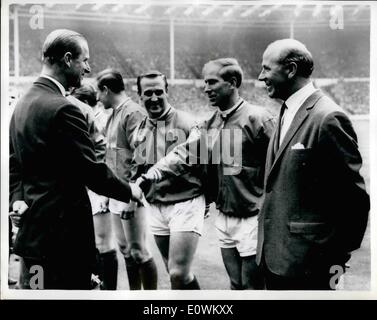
(154, 108)
(212, 98)
(269, 87)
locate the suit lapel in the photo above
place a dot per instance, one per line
(298, 120)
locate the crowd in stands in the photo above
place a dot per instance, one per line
(351, 96)
(136, 48)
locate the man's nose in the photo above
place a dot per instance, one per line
(154, 97)
(206, 88)
(87, 67)
(261, 76)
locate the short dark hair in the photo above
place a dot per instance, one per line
(86, 93)
(112, 79)
(150, 75)
(60, 41)
(229, 68)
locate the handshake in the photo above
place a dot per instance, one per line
(142, 184)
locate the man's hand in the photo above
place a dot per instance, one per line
(19, 207)
(104, 204)
(144, 182)
(137, 193)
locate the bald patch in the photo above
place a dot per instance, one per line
(291, 50)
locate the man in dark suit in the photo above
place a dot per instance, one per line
(316, 207)
(52, 159)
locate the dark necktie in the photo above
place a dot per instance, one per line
(278, 129)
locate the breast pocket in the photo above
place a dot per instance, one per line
(311, 231)
(300, 157)
(299, 165)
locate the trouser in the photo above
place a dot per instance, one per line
(65, 274)
(320, 279)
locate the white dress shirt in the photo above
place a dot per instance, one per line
(293, 103)
(59, 85)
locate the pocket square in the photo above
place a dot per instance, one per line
(298, 146)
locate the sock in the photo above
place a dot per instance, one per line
(108, 270)
(134, 279)
(192, 285)
(148, 274)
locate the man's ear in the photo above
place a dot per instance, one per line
(291, 69)
(67, 59)
(233, 82)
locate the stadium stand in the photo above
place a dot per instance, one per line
(134, 48)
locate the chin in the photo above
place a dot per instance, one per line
(77, 84)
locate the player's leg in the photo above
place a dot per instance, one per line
(158, 226)
(181, 255)
(233, 266)
(107, 259)
(186, 224)
(226, 228)
(132, 269)
(107, 262)
(163, 243)
(135, 226)
(252, 277)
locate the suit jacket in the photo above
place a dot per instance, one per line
(315, 208)
(95, 134)
(52, 159)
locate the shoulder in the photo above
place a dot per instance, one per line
(131, 109)
(184, 119)
(256, 114)
(325, 109)
(85, 109)
(131, 106)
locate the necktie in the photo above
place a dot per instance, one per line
(279, 124)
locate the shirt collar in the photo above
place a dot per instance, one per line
(298, 98)
(122, 103)
(226, 112)
(58, 84)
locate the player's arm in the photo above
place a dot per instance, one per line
(180, 159)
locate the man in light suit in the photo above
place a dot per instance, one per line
(52, 160)
(316, 207)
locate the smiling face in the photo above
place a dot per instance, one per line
(154, 95)
(217, 89)
(79, 66)
(274, 75)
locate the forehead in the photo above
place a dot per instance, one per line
(152, 83)
(84, 48)
(211, 71)
(272, 54)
